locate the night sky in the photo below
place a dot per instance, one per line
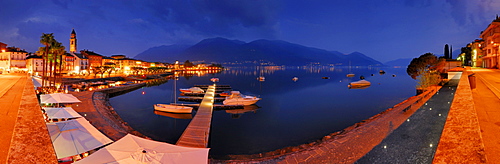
(382, 29)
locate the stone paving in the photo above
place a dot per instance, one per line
(461, 140)
(26, 138)
(96, 109)
(416, 140)
(487, 104)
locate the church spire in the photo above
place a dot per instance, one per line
(72, 41)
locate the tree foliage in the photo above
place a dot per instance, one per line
(187, 63)
(52, 59)
(427, 62)
(446, 52)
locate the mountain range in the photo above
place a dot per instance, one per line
(274, 52)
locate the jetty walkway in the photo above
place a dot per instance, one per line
(198, 130)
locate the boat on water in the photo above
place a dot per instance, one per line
(359, 87)
(359, 83)
(173, 108)
(350, 74)
(261, 78)
(236, 98)
(192, 90)
(295, 79)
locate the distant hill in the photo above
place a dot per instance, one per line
(403, 62)
(221, 50)
(162, 53)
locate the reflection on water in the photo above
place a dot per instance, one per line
(174, 115)
(236, 113)
(290, 112)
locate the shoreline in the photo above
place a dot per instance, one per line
(118, 128)
(354, 137)
(96, 109)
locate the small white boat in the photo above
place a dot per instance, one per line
(236, 98)
(173, 108)
(261, 78)
(192, 90)
(295, 78)
(359, 83)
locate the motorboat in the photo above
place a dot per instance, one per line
(295, 79)
(173, 108)
(225, 94)
(192, 90)
(350, 75)
(236, 98)
(261, 78)
(359, 83)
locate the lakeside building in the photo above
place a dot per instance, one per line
(487, 49)
(12, 58)
(476, 53)
(80, 62)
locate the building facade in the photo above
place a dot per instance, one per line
(490, 45)
(12, 59)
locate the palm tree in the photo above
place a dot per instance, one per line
(58, 51)
(51, 58)
(46, 40)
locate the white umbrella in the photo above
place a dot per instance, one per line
(133, 149)
(37, 82)
(58, 113)
(58, 98)
(75, 137)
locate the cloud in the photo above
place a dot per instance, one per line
(225, 17)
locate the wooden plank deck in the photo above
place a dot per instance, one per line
(198, 130)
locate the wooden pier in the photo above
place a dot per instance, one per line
(198, 130)
(215, 106)
(199, 99)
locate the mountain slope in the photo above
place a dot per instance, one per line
(162, 53)
(221, 50)
(399, 62)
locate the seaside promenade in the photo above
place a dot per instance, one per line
(24, 138)
(469, 135)
(487, 104)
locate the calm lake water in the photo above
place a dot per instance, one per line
(289, 114)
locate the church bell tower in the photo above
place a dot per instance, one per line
(72, 42)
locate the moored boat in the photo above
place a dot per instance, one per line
(359, 83)
(192, 90)
(173, 108)
(236, 98)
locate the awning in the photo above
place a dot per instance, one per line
(133, 149)
(75, 137)
(58, 98)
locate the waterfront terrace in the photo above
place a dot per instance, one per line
(469, 133)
